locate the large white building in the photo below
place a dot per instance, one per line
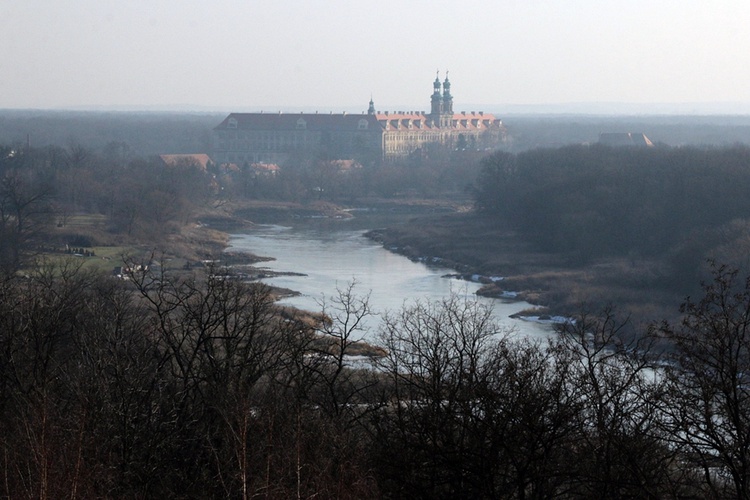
(372, 136)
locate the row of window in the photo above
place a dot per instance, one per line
(269, 135)
(301, 124)
(271, 140)
(416, 138)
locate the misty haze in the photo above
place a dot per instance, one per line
(333, 250)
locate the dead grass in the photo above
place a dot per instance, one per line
(472, 244)
(90, 232)
(104, 260)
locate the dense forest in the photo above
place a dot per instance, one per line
(167, 385)
(138, 199)
(556, 130)
(163, 133)
(141, 199)
(681, 205)
(174, 383)
(138, 133)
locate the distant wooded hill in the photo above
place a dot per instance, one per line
(143, 133)
(163, 133)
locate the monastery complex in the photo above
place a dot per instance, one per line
(376, 136)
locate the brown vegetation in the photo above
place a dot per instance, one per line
(184, 383)
(472, 243)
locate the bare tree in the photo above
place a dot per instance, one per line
(222, 343)
(341, 328)
(708, 405)
(24, 212)
(619, 449)
(436, 365)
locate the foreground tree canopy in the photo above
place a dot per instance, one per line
(199, 386)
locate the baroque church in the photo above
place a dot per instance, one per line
(386, 137)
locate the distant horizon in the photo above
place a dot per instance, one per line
(230, 55)
(572, 108)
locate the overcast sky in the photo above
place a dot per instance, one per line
(245, 55)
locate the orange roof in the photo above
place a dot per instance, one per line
(344, 121)
(202, 160)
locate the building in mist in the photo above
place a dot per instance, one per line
(373, 136)
(625, 139)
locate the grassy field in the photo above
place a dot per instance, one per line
(86, 238)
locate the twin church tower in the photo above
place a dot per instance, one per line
(442, 103)
(441, 108)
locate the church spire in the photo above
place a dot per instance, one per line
(436, 105)
(371, 109)
(447, 97)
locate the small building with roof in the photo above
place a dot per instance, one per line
(201, 161)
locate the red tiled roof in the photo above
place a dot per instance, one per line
(201, 160)
(343, 121)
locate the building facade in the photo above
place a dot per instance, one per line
(372, 136)
(625, 139)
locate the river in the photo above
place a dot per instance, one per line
(333, 253)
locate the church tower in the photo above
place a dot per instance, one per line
(441, 104)
(447, 97)
(436, 108)
(371, 109)
(446, 117)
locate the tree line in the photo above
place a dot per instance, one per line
(680, 204)
(197, 385)
(140, 199)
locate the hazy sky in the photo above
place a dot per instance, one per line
(244, 55)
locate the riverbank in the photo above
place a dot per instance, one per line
(482, 249)
(335, 256)
(445, 234)
(205, 242)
